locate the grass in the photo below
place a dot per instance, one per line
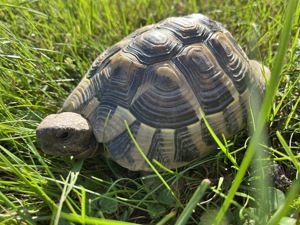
(47, 46)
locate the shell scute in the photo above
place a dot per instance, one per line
(162, 147)
(159, 78)
(153, 46)
(185, 148)
(187, 30)
(163, 103)
(123, 155)
(230, 60)
(210, 84)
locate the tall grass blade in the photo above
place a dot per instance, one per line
(21, 214)
(218, 141)
(91, 220)
(266, 107)
(150, 164)
(167, 218)
(284, 208)
(291, 157)
(188, 210)
(26, 177)
(69, 183)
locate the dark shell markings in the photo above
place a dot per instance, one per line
(159, 79)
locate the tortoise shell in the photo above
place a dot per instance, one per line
(160, 79)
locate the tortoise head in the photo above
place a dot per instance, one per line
(67, 134)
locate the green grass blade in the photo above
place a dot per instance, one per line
(27, 179)
(166, 218)
(266, 108)
(283, 98)
(218, 141)
(163, 167)
(90, 220)
(291, 115)
(83, 202)
(69, 184)
(292, 157)
(150, 164)
(45, 49)
(188, 210)
(23, 215)
(284, 208)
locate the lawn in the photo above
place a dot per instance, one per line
(46, 47)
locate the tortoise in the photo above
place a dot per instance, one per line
(162, 80)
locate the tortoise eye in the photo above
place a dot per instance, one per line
(64, 136)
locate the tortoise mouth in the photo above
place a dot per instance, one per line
(63, 151)
(89, 153)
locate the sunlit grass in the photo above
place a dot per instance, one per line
(45, 49)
